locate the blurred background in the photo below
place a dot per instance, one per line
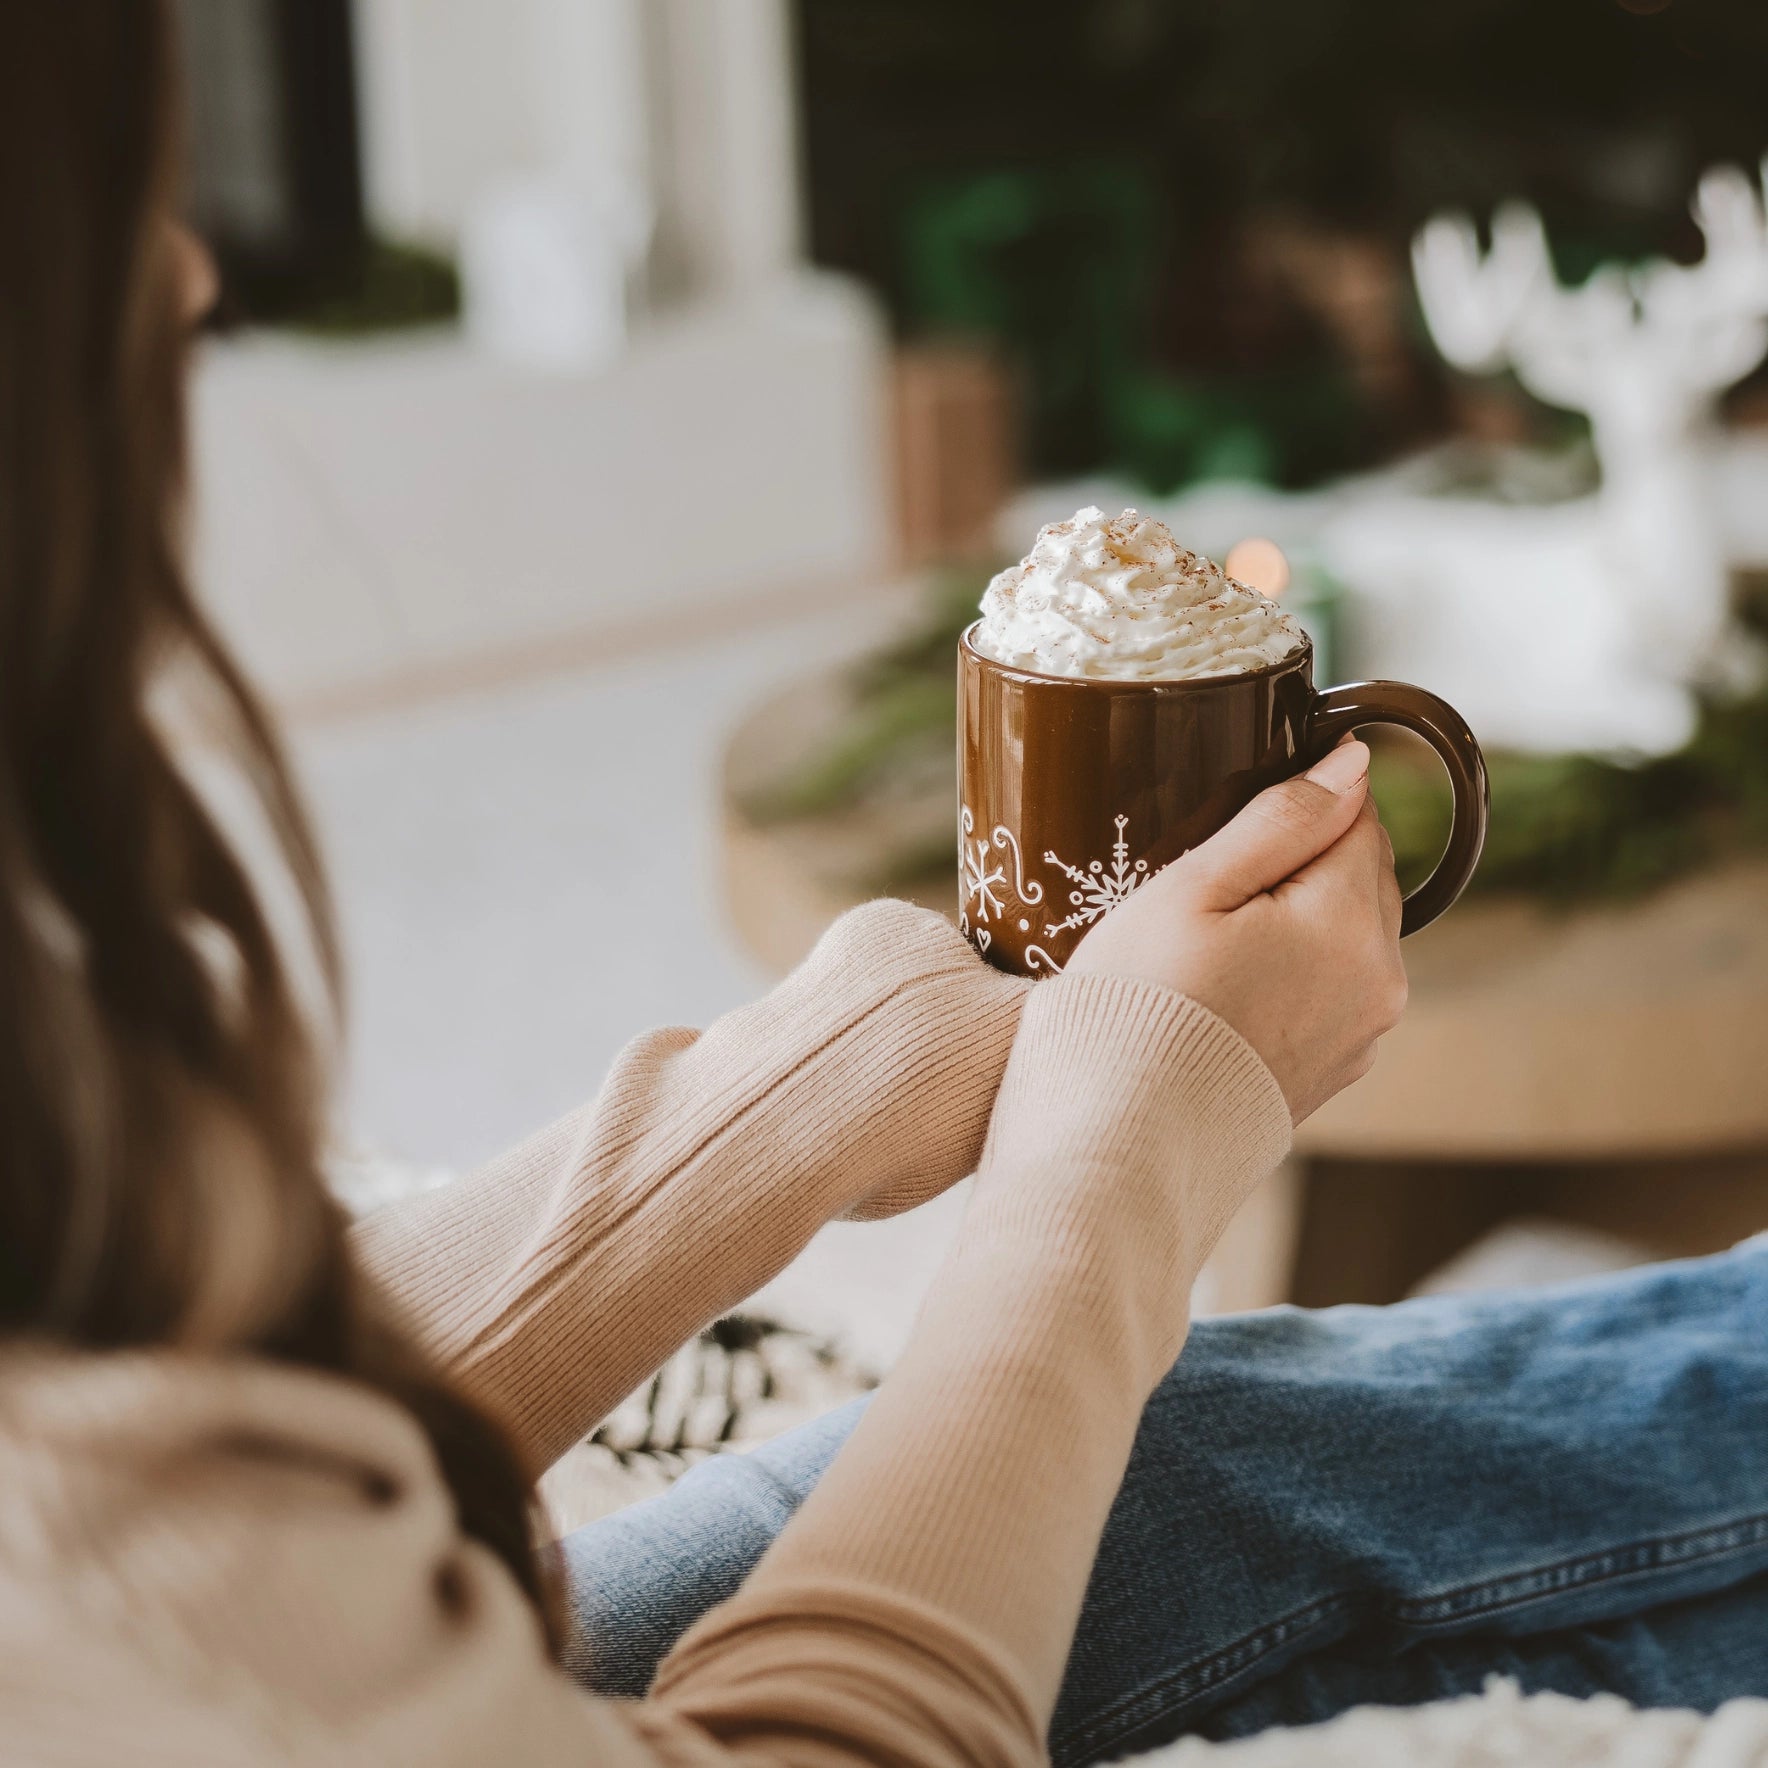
(622, 403)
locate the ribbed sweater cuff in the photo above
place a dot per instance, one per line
(867, 1077)
(1131, 1124)
(1110, 1069)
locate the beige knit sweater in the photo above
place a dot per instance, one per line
(206, 1563)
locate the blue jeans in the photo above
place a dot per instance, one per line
(1567, 1486)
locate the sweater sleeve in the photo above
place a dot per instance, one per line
(555, 1280)
(920, 1607)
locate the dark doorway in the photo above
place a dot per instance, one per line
(275, 167)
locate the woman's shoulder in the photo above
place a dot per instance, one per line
(213, 1509)
(62, 1402)
(183, 1460)
(263, 1559)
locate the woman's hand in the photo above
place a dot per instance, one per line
(1286, 924)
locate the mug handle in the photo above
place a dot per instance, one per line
(1337, 711)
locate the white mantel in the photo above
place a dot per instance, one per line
(381, 518)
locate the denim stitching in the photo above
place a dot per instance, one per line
(1134, 1711)
(1662, 1552)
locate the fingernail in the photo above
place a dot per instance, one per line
(1343, 769)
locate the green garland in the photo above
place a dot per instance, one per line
(390, 286)
(1572, 828)
(1577, 828)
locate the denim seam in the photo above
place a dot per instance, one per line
(1660, 1553)
(1134, 1711)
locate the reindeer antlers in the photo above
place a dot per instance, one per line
(1473, 303)
(1506, 306)
(1728, 209)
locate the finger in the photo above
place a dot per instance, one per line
(1351, 888)
(1368, 838)
(1281, 830)
(1346, 874)
(1392, 903)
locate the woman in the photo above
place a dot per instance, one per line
(264, 1490)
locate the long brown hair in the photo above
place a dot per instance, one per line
(162, 1087)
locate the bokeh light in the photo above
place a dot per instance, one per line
(1260, 563)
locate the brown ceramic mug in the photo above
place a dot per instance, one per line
(1074, 790)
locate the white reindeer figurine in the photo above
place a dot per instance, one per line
(1579, 625)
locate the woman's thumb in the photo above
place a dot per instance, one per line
(1281, 830)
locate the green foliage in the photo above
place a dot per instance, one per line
(1577, 827)
(1058, 267)
(392, 287)
(1052, 264)
(399, 286)
(1169, 430)
(1568, 829)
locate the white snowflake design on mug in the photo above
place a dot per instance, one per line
(983, 881)
(1098, 887)
(986, 887)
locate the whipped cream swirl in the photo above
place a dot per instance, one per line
(1122, 599)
